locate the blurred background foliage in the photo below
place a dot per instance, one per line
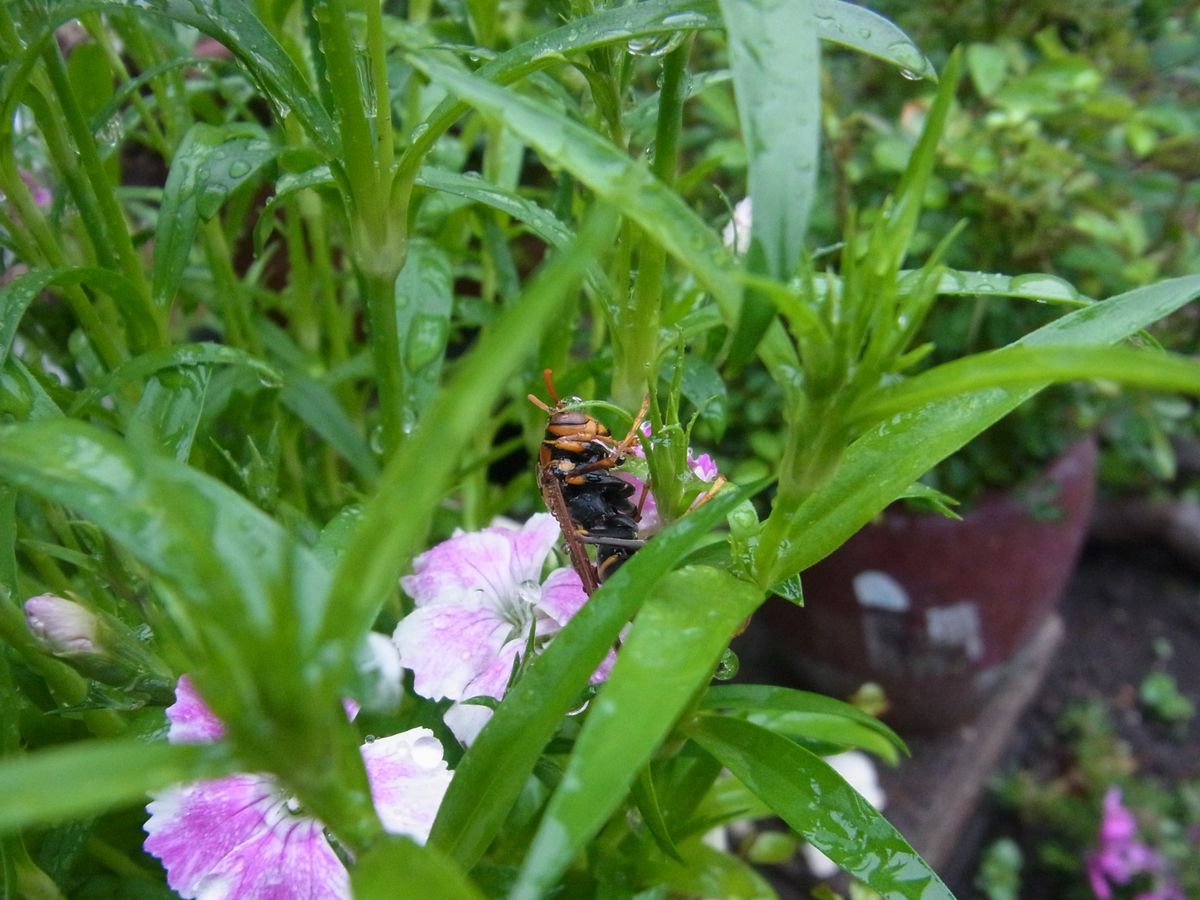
(1074, 150)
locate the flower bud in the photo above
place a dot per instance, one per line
(98, 647)
(63, 628)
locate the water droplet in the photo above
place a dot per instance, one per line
(239, 168)
(654, 45)
(728, 666)
(293, 805)
(375, 439)
(580, 709)
(427, 752)
(419, 132)
(111, 134)
(366, 83)
(370, 739)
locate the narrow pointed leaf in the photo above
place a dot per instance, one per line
(236, 26)
(765, 697)
(669, 653)
(211, 163)
(816, 802)
(1015, 367)
(174, 357)
(51, 785)
(776, 65)
(222, 557)
(17, 295)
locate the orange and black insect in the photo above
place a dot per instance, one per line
(591, 504)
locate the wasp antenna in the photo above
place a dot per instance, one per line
(548, 377)
(540, 404)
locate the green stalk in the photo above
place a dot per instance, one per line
(114, 220)
(377, 225)
(377, 57)
(235, 304)
(634, 354)
(98, 334)
(379, 294)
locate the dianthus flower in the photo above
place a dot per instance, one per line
(1119, 856)
(479, 596)
(243, 836)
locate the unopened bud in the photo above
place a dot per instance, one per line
(63, 627)
(98, 647)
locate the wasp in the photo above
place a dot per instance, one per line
(575, 475)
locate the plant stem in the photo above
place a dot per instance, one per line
(379, 293)
(634, 353)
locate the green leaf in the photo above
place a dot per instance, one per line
(396, 868)
(169, 411)
(424, 299)
(62, 783)
(987, 65)
(881, 465)
(705, 871)
(868, 32)
(836, 21)
(236, 26)
(776, 66)
(759, 697)
(315, 405)
(669, 653)
(1033, 286)
(211, 163)
(541, 222)
(482, 793)
(18, 294)
(174, 357)
(817, 802)
(1015, 366)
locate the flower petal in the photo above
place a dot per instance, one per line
(192, 722)
(531, 545)
(562, 595)
(448, 646)
(408, 779)
(466, 720)
(192, 828)
(289, 859)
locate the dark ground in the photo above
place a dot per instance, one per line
(1123, 606)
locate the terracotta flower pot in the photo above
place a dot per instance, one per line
(935, 610)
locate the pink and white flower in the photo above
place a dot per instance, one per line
(479, 596)
(242, 836)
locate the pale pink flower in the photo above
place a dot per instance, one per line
(479, 597)
(243, 836)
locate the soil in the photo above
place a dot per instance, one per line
(1128, 611)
